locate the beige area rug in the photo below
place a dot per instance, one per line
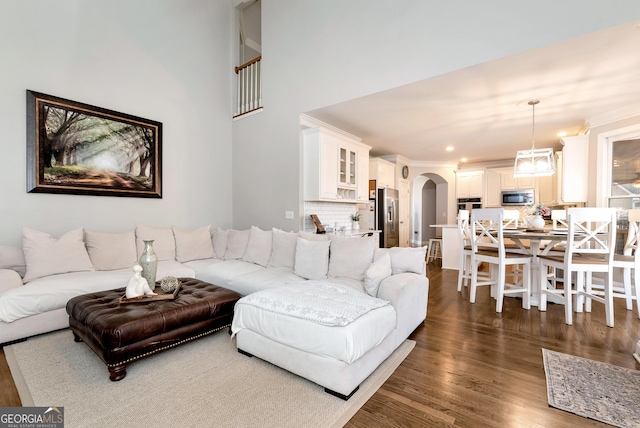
(205, 383)
(592, 389)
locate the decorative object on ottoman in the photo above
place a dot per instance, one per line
(137, 285)
(149, 262)
(169, 283)
(120, 334)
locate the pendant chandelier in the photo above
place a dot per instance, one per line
(534, 162)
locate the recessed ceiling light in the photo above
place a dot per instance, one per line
(449, 148)
(463, 159)
(562, 134)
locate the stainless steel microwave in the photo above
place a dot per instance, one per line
(517, 197)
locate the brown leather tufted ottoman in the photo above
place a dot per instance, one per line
(123, 333)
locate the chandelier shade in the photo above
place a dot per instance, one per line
(534, 162)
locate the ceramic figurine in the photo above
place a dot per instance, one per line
(137, 285)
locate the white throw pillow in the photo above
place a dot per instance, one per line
(9, 279)
(259, 247)
(312, 259)
(310, 236)
(111, 251)
(406, 259)
(283, 251)
(193, 244)
(350, 257)
(220, 238)
(164, 243)
(45, 255)
(237, 244)
(12, 258)
(377, 272)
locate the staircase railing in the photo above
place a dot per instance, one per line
(249, 87)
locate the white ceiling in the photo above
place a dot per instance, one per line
(482, 110)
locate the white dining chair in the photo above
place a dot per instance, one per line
(487, 246)
(559, 224)
(589, 249)
(464, 241)
(511, 219)
(629, 262)
(559, 220)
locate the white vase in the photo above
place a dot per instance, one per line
(355, 225)
(149, 262)
(537, 222)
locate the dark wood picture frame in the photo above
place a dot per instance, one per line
(76, 148)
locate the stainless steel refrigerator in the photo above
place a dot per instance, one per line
(387, 217)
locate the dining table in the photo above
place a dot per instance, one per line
(536, 237)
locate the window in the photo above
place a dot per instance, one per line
(625, 174)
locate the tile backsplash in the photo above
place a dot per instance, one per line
(329, 214)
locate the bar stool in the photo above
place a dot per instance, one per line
(435, 249)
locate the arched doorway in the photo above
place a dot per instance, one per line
(430, 206)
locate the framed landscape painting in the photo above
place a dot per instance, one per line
(80, 149)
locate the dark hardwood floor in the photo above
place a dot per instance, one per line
(473, 367)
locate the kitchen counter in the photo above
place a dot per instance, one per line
(450, 246)
(348, 232)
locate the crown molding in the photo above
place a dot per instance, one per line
(307, 121)
(614, 115)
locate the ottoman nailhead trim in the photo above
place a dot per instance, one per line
(169, 346)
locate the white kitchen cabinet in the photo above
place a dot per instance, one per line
(383, 172)
(362, 175)
(546, 193)
(336, 167)
(575, 168)
(470, 184)
(492, 198)
(509, 182)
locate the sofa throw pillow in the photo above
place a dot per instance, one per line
(220, 238)
(312, 259)
(237, 244)
(283, 251)
(377, 272)
(259, 246)
(111, 251)
(193, 244)
(350, 257)
(45, 255)
(164, 243)
(12, 258)
(9, 279)
(405, 259)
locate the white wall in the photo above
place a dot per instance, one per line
(163, 60)
(321, 53)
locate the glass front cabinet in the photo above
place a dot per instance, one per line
(336, 166)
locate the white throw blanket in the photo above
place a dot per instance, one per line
(321, 302)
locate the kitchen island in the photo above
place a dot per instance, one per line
(450, 246)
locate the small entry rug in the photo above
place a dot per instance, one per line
(202, 383)
(592, 389)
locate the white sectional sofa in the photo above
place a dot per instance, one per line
(38, 279)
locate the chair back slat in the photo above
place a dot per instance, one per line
(511, 219)
(559, 219)
(592, 232)
(631, 243)
(464, 233)
(487, 229)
